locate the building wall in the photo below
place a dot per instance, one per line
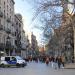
(33, 42)
(71, 6)
(20, 36)
(74, 33)
(18, 24)
(7, 21)
(12, 22)
(23, 54)
(34, 45)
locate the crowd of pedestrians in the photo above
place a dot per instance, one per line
(54, 62)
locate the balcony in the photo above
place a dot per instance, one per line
(8, 31)
(23, 31)
(4, 16)
(23, 47)
(13, 24)
(8, 43)
(8, 47)
(2, 46)
(12, 47)
(8, 20)
(1, 14)
(13, 33)
(1, 27)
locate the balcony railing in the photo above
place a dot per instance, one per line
(1, 27)
(8, 43)
(13, 33)
(2, 46)
(1, 14)
(8, 31)
(23, 31)
(8, 20)
(23, 47)
(13, 46)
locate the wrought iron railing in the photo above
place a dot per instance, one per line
(1, 27)
(8, 30)
(8, 20)
(2, 46)
(1, 14)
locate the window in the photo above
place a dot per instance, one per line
(0, 1)
(19, 25)
(15, 42)
(7, 7)
(4, 13)
(7, 58)
(4, 39)
(4, 4)
(13, 59)
(7, 14)
(0, 37)
(16, 23)
(15, 33)
(10, 1)
(10, 10)
(10, 17)
(0, 8)
(0, 21)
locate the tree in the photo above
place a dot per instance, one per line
(52, 16)
(51, 13)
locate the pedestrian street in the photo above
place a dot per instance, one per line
(34, 68)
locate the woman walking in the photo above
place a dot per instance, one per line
(47, 61)
(59, 62)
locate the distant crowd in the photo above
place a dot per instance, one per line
(55, 62)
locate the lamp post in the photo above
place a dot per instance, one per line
(8, 44)
(68, 52)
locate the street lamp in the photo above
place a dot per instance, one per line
(8, 45)
(68, 52)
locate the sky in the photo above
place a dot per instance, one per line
(27, 11)
(71, 7)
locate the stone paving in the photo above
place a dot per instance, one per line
(36, 69)
(70, 66)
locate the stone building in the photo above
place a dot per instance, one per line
(19, 27)
(65, 35)
(12, 35)
(34, 45)
(68, 25)
(7, 28)
(22, 43)
(25, 44)
(73, 22)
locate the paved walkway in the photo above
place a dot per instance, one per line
(36, 69)
(70, 66)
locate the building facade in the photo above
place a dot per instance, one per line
(12, 35)
(22, 42)
(25, 45)
(7, 28)
(18, 26)
(62, 43)
(69, 32)
(34, 45)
